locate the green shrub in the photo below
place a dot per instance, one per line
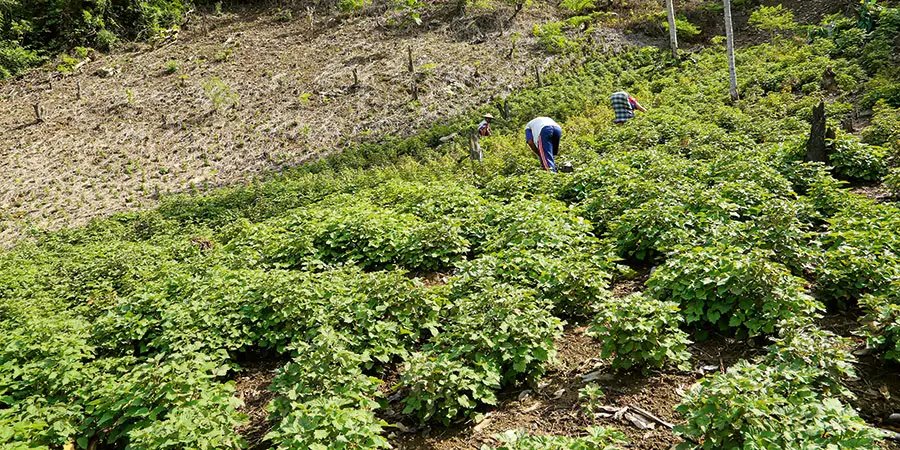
(892, 181)
(598, 438)
(882, 321)
(641, 332)
(502, 324)
(552, 37)
(14, 59)
(857, 161)
(732, 288)
(822, 355)
(573, 282)
(773, 19)
(325, 399)
(763, 407)
(860, 253)
(167, 401)
(685, 29)
(442, 386)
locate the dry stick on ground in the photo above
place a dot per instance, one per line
(537, 76)
(78, 90)
(38, 112)
(652, 417)
(355, 77)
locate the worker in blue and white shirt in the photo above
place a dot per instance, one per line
(543, 134)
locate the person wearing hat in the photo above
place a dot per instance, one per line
(484, 128)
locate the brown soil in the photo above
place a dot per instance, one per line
(252, 387)
(553, 407)
(877, 387)
(874, 191)
(138, 131)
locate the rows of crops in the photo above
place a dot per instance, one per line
(126, 332)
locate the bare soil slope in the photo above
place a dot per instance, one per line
(234, 96)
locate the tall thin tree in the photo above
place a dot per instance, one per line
(729, 36)
(673, 32)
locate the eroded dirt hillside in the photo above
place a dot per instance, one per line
(236, 95)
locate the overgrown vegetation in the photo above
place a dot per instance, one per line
(125, 332)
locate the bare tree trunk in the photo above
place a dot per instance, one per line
(78, 90)
(673, 32)
(537, 76)
(729, 35)
(817, 145)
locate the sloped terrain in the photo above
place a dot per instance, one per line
(239, 95)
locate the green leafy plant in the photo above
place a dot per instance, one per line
(857, 161)
(220, 94)
(640, 332)
(732, 288)
(773, 19)
(882, 321)
(752, 405)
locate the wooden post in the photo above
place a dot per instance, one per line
(355, 77)
(409, 59)
(729, 36)
(78, 90)
(38, 112)
(537, 76)
(673, 32)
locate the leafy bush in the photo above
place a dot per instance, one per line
(552, 37)
(882, 321)
(892, 181)
(685, 29)
(824, 357)
(167, 401)
(857, 161)
(860, 252)
(773, 19)
(572, 282)
(505, 325)
(640, 332)
(442, 386)
(731, 288)
(598, 438)
(325, 400)
(15, 59)
(763, 407)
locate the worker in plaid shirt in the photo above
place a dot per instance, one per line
(623, 105)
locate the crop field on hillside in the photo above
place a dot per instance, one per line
(399, 295)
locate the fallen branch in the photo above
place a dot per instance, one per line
(652, 417)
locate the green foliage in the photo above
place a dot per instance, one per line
(172, 67)
(892, 181)
(773, 19)
(768, 407)
(591, 398)
(860, 252)
(732, 288)
(598, 438)
(685, 29)
(442, 387)
(882, 321)
(14, 59)
(325, 400)
(220, 94)
(552, 37)
(822, 356)
(857, 161)
(641, 332)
